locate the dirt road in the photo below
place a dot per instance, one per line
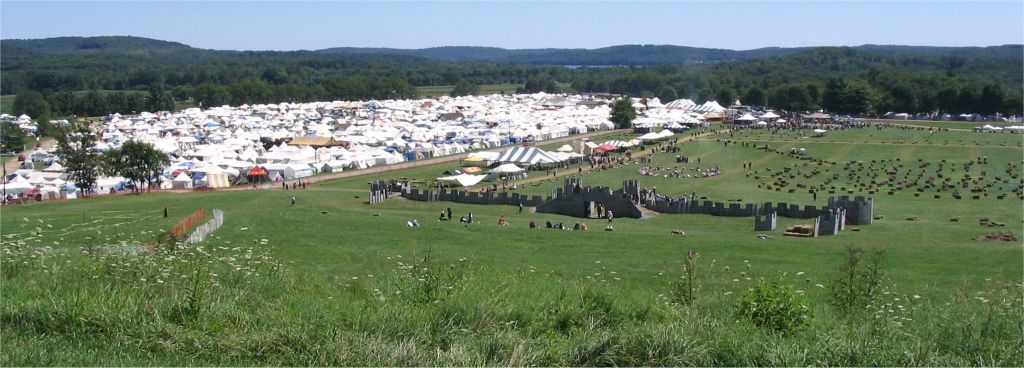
(12, 165)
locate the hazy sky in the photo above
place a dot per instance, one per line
(242, 25)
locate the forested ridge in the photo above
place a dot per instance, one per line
(864, 80)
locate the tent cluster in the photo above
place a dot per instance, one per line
(221, 146)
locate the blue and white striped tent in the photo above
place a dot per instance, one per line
(526, 155)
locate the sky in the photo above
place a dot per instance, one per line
(264, 25)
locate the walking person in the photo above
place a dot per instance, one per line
(520, 207)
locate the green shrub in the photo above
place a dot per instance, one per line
(857, 283)
(775, 306)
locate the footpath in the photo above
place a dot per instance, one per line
(13, 164)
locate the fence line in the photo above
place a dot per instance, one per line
(188, 222)
(206, 229)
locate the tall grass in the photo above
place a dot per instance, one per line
(228, 304)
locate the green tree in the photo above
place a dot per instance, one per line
(725, 97)
(792, 97)
(991, 99)
(832, 98)
(75, 147)
(12, 138)
(276, 75)
(902, 98)
(136, 161)
(182, 93)
(623, 113)
(464, 88)
(857, 99)
(540, 84)
(31, 103)
(159, 99)
(947, 100)
(967, 100)
(755, 97)
(815, 94)
(667, 94)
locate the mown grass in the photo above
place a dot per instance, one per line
(342, 283)
(946, 124)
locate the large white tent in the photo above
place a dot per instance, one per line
(507, 169)
(463, 180)
(526, 155)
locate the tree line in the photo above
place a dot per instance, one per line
(841, 80)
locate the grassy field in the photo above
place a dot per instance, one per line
(947, 124)
(335, 281)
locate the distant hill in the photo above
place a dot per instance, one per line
(614, 55)
(893, 77)
(625, 55)
(95, 45)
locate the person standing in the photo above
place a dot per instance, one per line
(520, 207)
(610, 216)
(293, 201)
(449, 213)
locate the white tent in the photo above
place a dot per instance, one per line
(182, 181)
(746, 117)
(656, 136)
(564, 148)
(463, 180)
(55, 167)
(681, 104)
(16, 187)
(526, 155)
(620, 144)
(769, 115)
(507, 169)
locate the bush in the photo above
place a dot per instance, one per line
(857, 283)
(775, 306)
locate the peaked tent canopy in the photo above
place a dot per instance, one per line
(526, 155)
(257, 171)
(746, 117)
(463, 180)
(507, 169)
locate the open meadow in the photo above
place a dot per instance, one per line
(333, 280)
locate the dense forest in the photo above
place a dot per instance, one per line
(862, 80)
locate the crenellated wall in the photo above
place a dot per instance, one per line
(573, 199)
(381, 190)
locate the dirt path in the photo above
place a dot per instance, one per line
(13, 164)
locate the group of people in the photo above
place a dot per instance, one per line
(447, 215)
(295, 185)
(560, 226)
